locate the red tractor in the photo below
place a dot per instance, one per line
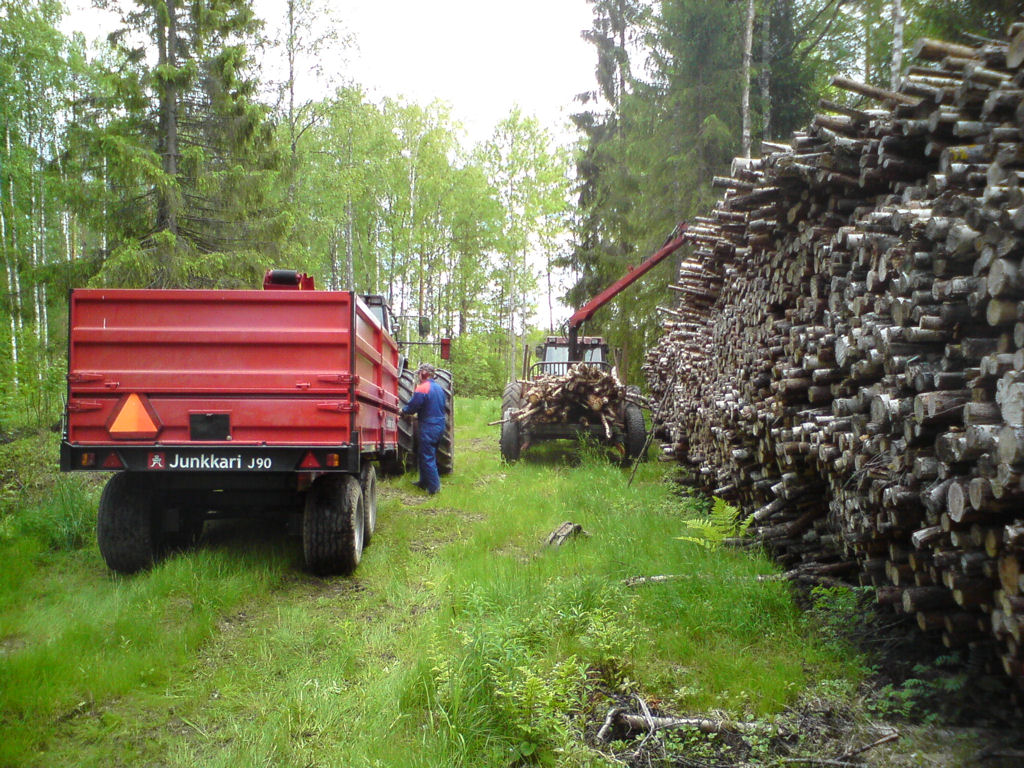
(210, 404)
(558, 355)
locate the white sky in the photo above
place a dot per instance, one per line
(481, 56)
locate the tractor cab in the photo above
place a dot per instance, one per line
(382, 311)
(553, 356)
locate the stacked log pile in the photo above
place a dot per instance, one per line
(586, 395)
(846, 358)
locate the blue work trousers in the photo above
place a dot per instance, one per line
(430, 436)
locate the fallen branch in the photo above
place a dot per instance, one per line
(636, 581)
(619, 717)
(564, 532)
(891, 736)
(843, 760)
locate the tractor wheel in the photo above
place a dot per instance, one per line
(127, 528)
(510, 441)
(636, 432)
(446, 448)
(512, 397)
(368, 485)
(332, 525)
(406, 426)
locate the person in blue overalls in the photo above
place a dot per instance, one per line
(429, 402)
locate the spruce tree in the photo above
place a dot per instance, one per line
(190, 156)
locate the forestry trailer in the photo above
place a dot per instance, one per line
(573, 387)
(215, 403)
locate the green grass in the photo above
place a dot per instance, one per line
(461, 640)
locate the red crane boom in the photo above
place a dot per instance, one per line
(584, 313)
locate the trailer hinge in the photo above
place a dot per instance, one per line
(80, 377)
(342, 407)
(338, 378)
(80, 406)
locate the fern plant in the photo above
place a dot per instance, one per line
(723, 521)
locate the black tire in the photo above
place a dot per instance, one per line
(446, 448)
(636, 432)
(368, 486)
(127, 528)
(332, 525)
(512, 397)
(510, 442)
(406, 457)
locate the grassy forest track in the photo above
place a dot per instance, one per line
(461, 640)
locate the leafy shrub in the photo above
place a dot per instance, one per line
(476, 366)
(38, 502)
(65, 521)
(529, 667)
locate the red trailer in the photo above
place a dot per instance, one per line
(215, 403)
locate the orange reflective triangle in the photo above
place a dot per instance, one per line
(133, 420)
(309, 461)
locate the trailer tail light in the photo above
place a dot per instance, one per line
(309, 461)
(446, 349)
(134, 419)
(88, 459)
(333, 460)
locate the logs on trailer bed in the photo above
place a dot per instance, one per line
(848, 346)
(586, 395)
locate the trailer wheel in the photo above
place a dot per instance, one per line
(332, 525)
(368, 486)
(446, 448)
(636, 432)
(510, 442)
(127, 528)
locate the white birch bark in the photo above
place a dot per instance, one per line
(748, 44)
(897, 42)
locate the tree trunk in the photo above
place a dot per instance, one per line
(551, 305)
(350, 267)
(748, 44)
(897, 42)
(42, 319)
(766, 72)
(10, 245)
(290, 47)
(11, 289)
(335, 265)
(167, 42)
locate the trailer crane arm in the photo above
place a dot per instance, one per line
(584, 313)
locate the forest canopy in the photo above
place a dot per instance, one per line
(168, 157)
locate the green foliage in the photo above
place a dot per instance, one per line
(925, 694)
(476, 365)
(841, 615)
(721, 521)
(52, 511)
(63, 522)
(499, 660)
(529, 175)
(188, 141)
